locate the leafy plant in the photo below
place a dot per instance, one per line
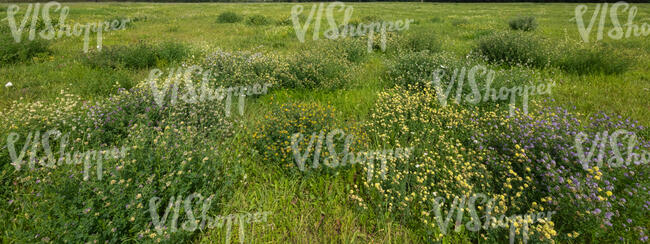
(420, 41)
(317, 69)
(273, 135)
(229, 17)
(258, 20)
(514, 48)
(15, 52)
(245, 68)
(593, 60)
(527, 23)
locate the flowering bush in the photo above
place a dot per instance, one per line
(416, 68)
(596, 201)
(528, 163)
(514, 48)
(272, 139)
(173, 150)
(465, 81)
(64, 112)
(170, 160)
(353, 49)
(444, 163)
(318, 69)
(112, 119)
(244, 68)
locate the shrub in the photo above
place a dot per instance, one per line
(171, 152)
(528, 163)
(352, 49)
(245, 68)
(141, 55)
(24, 117)
(593, 61)
(355, 49)
(258, 20)
(420, 41)
(443, 163)
(317, 69)
(598, 201)
(513, 48)
(159, 163)
(170, 52)
(415, 69)
(229, 17)
(25, 50)
(528, 23)
(272, 138)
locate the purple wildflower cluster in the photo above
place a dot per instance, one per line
(607, 198)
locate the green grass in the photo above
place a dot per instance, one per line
(316, 209)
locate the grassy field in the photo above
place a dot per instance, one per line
(56, 88)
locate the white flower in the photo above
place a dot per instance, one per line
(9, 85)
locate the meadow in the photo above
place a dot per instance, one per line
(526, 161)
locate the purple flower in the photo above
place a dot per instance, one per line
(596, 211)
(609, 215)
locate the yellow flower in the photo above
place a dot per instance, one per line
(609, 193)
